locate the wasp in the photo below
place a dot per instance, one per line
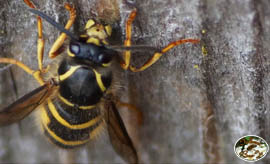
(76, 94)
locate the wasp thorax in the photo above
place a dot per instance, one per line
(91, 52)
(97, 33)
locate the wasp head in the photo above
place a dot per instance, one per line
(96, 33)
(90, 46)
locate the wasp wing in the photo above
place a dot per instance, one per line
(119, 137)
(26, 104)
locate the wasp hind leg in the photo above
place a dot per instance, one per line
(157, 55)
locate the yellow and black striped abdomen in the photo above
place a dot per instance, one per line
(68, 126)
(72, 118)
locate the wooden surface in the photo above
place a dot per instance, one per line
(196, 101)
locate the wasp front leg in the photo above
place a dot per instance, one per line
(56, 48)
(40, 42)
(157, 55)
(127, 54)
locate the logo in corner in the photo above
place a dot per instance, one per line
(251, 148)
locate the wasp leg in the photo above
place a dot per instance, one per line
(157, 55)
(35, 74)
(139, 115)
(56, 48)
(40, 42)
(127, 54)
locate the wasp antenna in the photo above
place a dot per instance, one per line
(134, 48)
(55, 24)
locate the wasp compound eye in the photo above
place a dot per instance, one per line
(74, 48)
(104, 58)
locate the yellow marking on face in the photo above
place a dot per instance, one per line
(105, 42)
(106, 64)
(97, 31)
(62, 121)
(94, 41)
(99, 81)
(64, 142)
(83, 36)
(70, 54)
(97, 130)
(68, 73)
(72, 105)
(89, 24)
(108, 29)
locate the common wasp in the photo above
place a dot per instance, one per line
(76, 98)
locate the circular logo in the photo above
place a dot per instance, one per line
(251, 148)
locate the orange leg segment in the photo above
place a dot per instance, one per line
(35, 74)
(157, 55)
(40, 46)
(40, 42)
(127, 54)
(56, 47)
(29, 3)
